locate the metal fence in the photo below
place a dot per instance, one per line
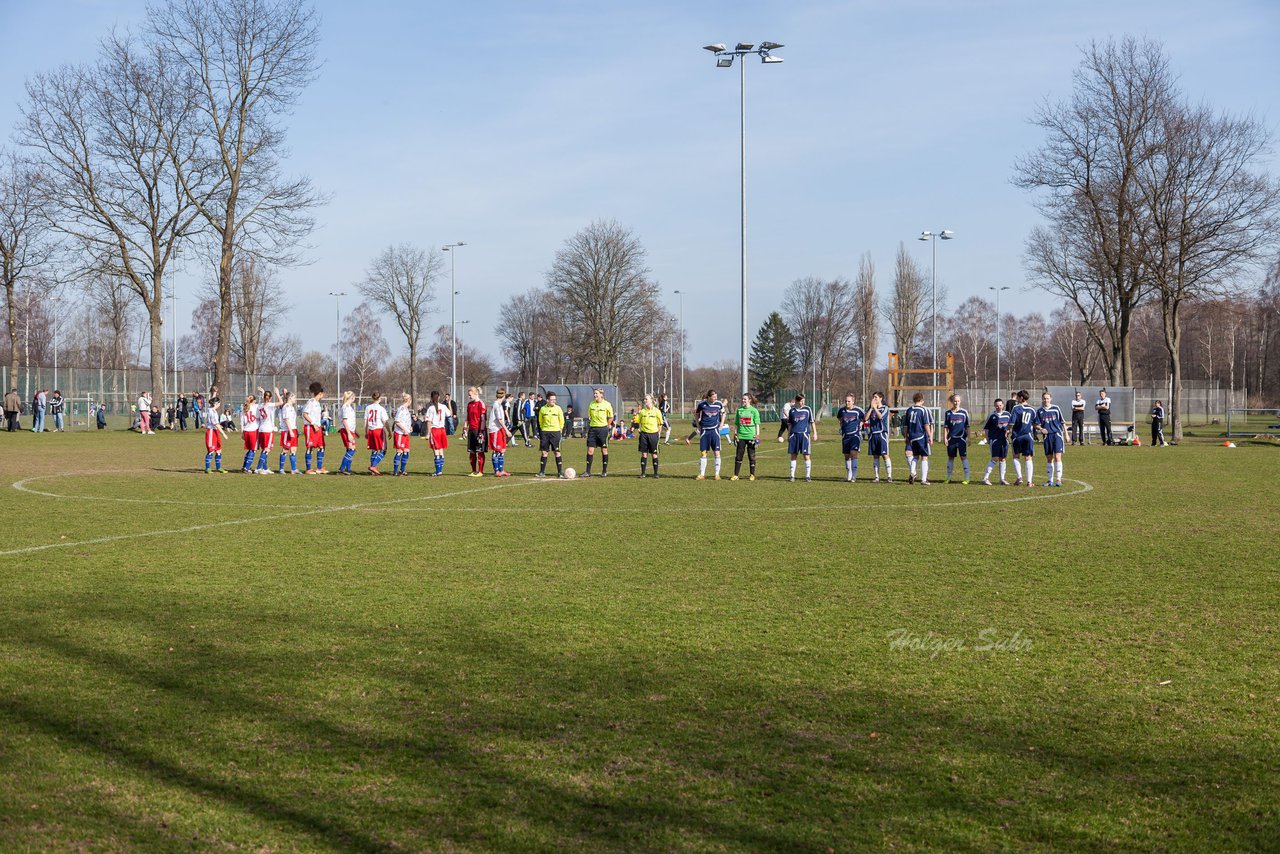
(86, 389)
(1202, 402)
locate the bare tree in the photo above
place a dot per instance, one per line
(600, 280)
(1213, 215)
(518, 329)
(904, 307)
(250, 60)
(866, 321)
(400, 281)
(256, 307)
(1071, 336)
(821, 315)
(364, 350)
(970, 337)
(1097, 145)
(101, 134)
(25, 248)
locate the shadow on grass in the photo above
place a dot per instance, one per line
(492, 743)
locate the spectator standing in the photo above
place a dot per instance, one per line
(102, 416)
(1077, 419)
(1103, 407)
(38, 404)
(12, 406)
(55, 409)
(144, 414)
(183, 411)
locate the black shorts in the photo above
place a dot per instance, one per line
(648, 443)
(597, 437)
(550, 440)
(476, 442)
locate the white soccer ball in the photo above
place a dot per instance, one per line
(570, 473)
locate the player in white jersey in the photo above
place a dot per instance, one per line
(401, 429)
(288, 432)
(347, 430)
(249, 430)
(267, 407)
(213, 436)
(437, 431)
(375, 422)
(313, 428)
(499, 428)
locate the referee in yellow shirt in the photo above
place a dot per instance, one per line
(599, 425)
(550, 427)
(651, 422)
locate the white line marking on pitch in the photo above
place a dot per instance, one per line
(271, 518)
(1046, 494)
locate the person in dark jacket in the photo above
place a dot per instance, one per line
(12, 406)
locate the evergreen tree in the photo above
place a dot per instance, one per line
(773, 356)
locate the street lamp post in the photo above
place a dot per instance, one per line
(173, 314)
(456, 324)
(337, 337)
(930, 236)
(724, 59)
(452, 249)
(680, 294)
(999, 388)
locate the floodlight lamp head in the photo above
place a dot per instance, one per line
(925, 235)
(744, 46)
(764, 57)
(724, 61)
(947, 234)
(769, 45)
(714, 48)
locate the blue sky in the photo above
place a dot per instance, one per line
(510, 125)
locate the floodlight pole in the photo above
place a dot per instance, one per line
(452, 249)
(680, 294)
(725, 58)
(933, 238)
(337, 337)
(999, 389)
(456, 324)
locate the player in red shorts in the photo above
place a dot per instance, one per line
(347, 430)
(437, 432)
(288, 432)
(499, 433)
(312, 428)
(267, 407)
(375, 420)
(401, 429)
(476, 419)
(213, 436)
(249, 430)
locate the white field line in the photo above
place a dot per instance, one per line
(24, 486)
(269, 518)
(1041, 494)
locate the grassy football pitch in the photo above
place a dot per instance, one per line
(453, 664)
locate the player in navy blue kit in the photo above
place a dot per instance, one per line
(1049, 420)
(1023, 427)
(955, 426)
(709, 416)
(878, 437)
(917, 427)
(851, 419)
(997, 428)
(800, 425)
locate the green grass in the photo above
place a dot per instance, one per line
(459, 664)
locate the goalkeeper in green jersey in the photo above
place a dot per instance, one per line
(746, 434)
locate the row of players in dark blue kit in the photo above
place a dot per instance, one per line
(1017, 427)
